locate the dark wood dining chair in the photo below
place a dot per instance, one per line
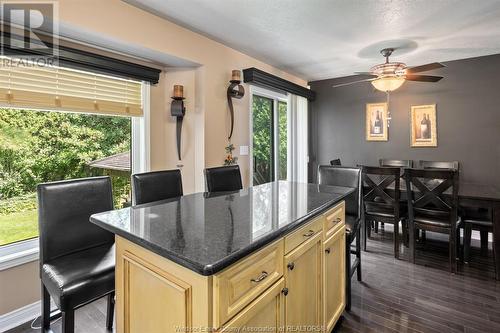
(383, 162)
(475, 217)
(433, 206)
(381, 199)
(77, 258)
(439, 165)
(347, 177)
(336, 162)
(395, 163)
(221, 179)
(155, 186)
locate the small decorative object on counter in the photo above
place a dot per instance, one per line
(178, 110)
(230, 159)
(237, 93)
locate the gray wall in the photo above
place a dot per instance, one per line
(468, 119)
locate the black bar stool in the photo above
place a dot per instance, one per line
(156, 185)
(348, 177)
(335, 162)
(226, 178)
(77, 258)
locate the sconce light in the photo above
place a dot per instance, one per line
(178, 110)
(237, 93)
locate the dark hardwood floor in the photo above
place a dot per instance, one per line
(395, 296)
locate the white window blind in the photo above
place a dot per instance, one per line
(67, 89)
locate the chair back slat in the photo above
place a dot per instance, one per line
(381, 188)
(439, 165)
(434, 193)
(396, 163)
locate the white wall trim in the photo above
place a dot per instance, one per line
(19, 316)
(19, 253)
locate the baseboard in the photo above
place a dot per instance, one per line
(19, 316)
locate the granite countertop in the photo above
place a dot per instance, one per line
(208, 232)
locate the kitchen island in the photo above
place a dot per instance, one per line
(269, 258)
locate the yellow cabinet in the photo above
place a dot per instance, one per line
(334, 278)
(265, 314)
(303, 303)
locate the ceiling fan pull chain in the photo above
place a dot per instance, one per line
(389, 117)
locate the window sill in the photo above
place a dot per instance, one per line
(20, 253)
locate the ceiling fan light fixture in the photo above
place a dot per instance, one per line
(386, 84)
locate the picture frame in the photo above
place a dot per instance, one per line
(423, 123)
(376, 122)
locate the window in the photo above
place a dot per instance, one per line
(269, 136)
(57, 123)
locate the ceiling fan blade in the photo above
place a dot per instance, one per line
(423, 78)
(365, 73)
(424, 68)
(353, 82)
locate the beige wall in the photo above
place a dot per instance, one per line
(19, 286)
(206, 123)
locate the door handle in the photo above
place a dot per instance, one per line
(261, 277)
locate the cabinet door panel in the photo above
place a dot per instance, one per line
(303, 304)
(265, 314)
(334, 278)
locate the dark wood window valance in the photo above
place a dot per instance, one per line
(261, 78)
(84, 60)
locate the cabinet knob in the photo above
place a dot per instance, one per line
(309, 233)
(339, 219)
(291, 266)
(261, 277)
(284, 291)
(327, 250)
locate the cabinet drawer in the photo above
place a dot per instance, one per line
(304, 233)
(334, 218)
(238, 285)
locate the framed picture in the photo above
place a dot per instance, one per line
(376, 122)
(423, 126)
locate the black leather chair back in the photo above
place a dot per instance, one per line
(64, 209)
(440, 165)
(226, 178)
(381, 189)
(434, 194)
(155, 186)
(396, 163)
(335, 162)
(343, 176)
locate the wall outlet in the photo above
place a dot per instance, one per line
(243, 150)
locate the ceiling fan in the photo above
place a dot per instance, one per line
(389, 76)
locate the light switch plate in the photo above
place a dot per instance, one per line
(243, 150)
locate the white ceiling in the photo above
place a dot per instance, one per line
(319, 39)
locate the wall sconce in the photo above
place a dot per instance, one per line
(237, 93)
(178, 110)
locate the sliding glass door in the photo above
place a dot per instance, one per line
(269, 137)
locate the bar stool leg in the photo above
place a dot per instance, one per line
(45, 309)
(484, 242)
(68, 321)
(467, 240)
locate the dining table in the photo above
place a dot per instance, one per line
(472, 194)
